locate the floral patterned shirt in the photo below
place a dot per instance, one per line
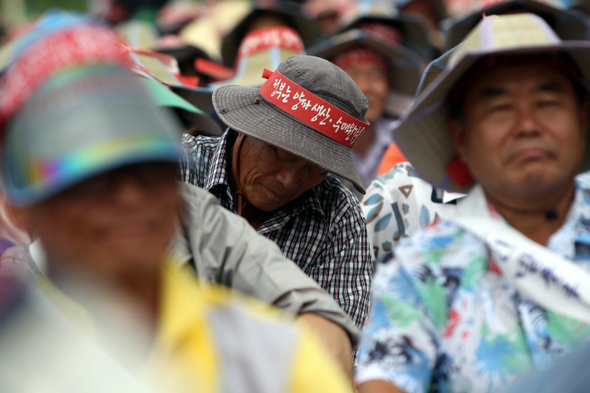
(443, 319)
(399, 203)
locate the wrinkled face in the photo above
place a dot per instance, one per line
(118, 222)
(270, 177)
(373, 82)
(524, 130)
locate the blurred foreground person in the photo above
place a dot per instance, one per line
(89, 163)
(500, 287)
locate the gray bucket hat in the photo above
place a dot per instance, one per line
(567, 24)
(337, 98)
(423, 135)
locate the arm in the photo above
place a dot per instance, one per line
(333, 337)
(377, 386)
(225, 249)
(399, 343)
(347, 268)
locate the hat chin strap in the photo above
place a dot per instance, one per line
(237, 150)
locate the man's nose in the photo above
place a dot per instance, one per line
(128, 190)
(289, 177)
(363, 82)
(526, 121)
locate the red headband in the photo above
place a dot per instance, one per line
(311, 110)
(382, 32)
(277, 36)
(360, 55)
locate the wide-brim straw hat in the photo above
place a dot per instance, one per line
(567, 24)
(412, 28)
(307, 29)
(405, 65)
(247, 111)
(423, 135)
(157, 68)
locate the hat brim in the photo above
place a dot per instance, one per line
(405, 65)
(567, 24)
(164, 97)
(422, 134)
(413, 29)
(237, 108)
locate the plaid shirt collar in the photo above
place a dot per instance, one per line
(218, 177)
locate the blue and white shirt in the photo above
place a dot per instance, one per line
(444, 319)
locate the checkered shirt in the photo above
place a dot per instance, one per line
(323, 231)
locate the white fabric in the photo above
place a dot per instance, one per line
(543, 276)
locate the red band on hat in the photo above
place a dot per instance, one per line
(265, 38)
(382, 32)
(354, 56)
(79, 44)
(311, 110)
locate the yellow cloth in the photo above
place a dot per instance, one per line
(184, 336)
(184, 353)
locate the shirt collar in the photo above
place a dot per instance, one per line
(576, 227)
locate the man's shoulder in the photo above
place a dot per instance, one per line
(336, 199)
(199, 198)
(200, 141)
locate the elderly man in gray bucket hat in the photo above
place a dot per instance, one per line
(274, 167)
(500, 287)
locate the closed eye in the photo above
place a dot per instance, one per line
(547, 103)
(501, 107)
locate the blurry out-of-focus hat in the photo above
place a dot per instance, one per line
(192, 60)
(306, 28)
(138, 33)
(175, 15)
(422, 134)
(71, 109)
(412, 30)
(308, 107)
(404, 65)
(438, 6)
(328, 13)
(159, 74)
(260, 49)
(568, 24)
(218, 18)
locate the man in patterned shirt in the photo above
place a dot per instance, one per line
(274, 167)
(500, 287)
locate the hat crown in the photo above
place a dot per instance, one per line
(494, 34)
(326, 81)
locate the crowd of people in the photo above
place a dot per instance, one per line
(314, 196)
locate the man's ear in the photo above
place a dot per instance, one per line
(457, 131)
